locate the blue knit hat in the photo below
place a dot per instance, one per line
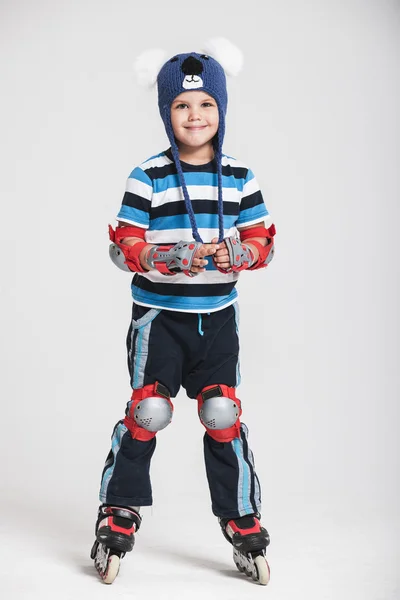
(199, 72)
(188, 72)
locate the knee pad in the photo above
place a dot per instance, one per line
(219, 412)
(149, 411)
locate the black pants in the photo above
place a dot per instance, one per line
(192, 350)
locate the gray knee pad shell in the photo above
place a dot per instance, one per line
(219, 412)
(153, 413)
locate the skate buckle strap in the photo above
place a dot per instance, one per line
(122, 512)
(211, 392)
(149, 390)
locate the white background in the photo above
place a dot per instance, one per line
(315, 115)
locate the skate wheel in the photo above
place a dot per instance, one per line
(112, 569)
(239, 568)
(262, 570)
(238, 565)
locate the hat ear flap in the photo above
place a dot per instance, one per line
(227, 54)
(148, 65)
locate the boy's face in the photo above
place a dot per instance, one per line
(195, 119)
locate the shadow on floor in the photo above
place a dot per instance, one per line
(68, 534)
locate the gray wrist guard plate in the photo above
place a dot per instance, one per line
(240, 255)
(171, 259)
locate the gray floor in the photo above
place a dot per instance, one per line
(44, 555)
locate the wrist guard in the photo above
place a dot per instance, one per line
(171, 259)
(240, 255)
(126, 257)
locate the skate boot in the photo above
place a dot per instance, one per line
(115, 529)
(249, 541)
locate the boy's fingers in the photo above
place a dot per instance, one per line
(199, 262)
(222, 252)
(206, 250)
(197, 269)
(211, 249)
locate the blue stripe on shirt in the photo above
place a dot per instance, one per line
(133, 214)
(197, 178)
(251, 214)
(140, 175)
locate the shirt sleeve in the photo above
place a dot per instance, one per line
(252, 207)
(136, 202)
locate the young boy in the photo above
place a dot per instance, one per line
(178, 231)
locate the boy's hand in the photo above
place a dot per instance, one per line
(221, 257)
(204, 250)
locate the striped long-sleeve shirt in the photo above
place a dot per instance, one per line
(154, 201)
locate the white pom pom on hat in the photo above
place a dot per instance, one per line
(227, 54)
(148, 64)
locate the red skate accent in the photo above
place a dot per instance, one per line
(230, 433)
(110, 522)
(122, 529)
(236, 529)
(153, 389)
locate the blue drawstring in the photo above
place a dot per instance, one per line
(188, 203)
(201, 332)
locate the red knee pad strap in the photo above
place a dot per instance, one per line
(153, 389)
(211, 391)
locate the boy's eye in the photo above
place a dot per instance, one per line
(181, 105)
(207, 104)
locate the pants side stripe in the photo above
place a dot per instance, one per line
(250, 459)
(244, 482)
(119, 432)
